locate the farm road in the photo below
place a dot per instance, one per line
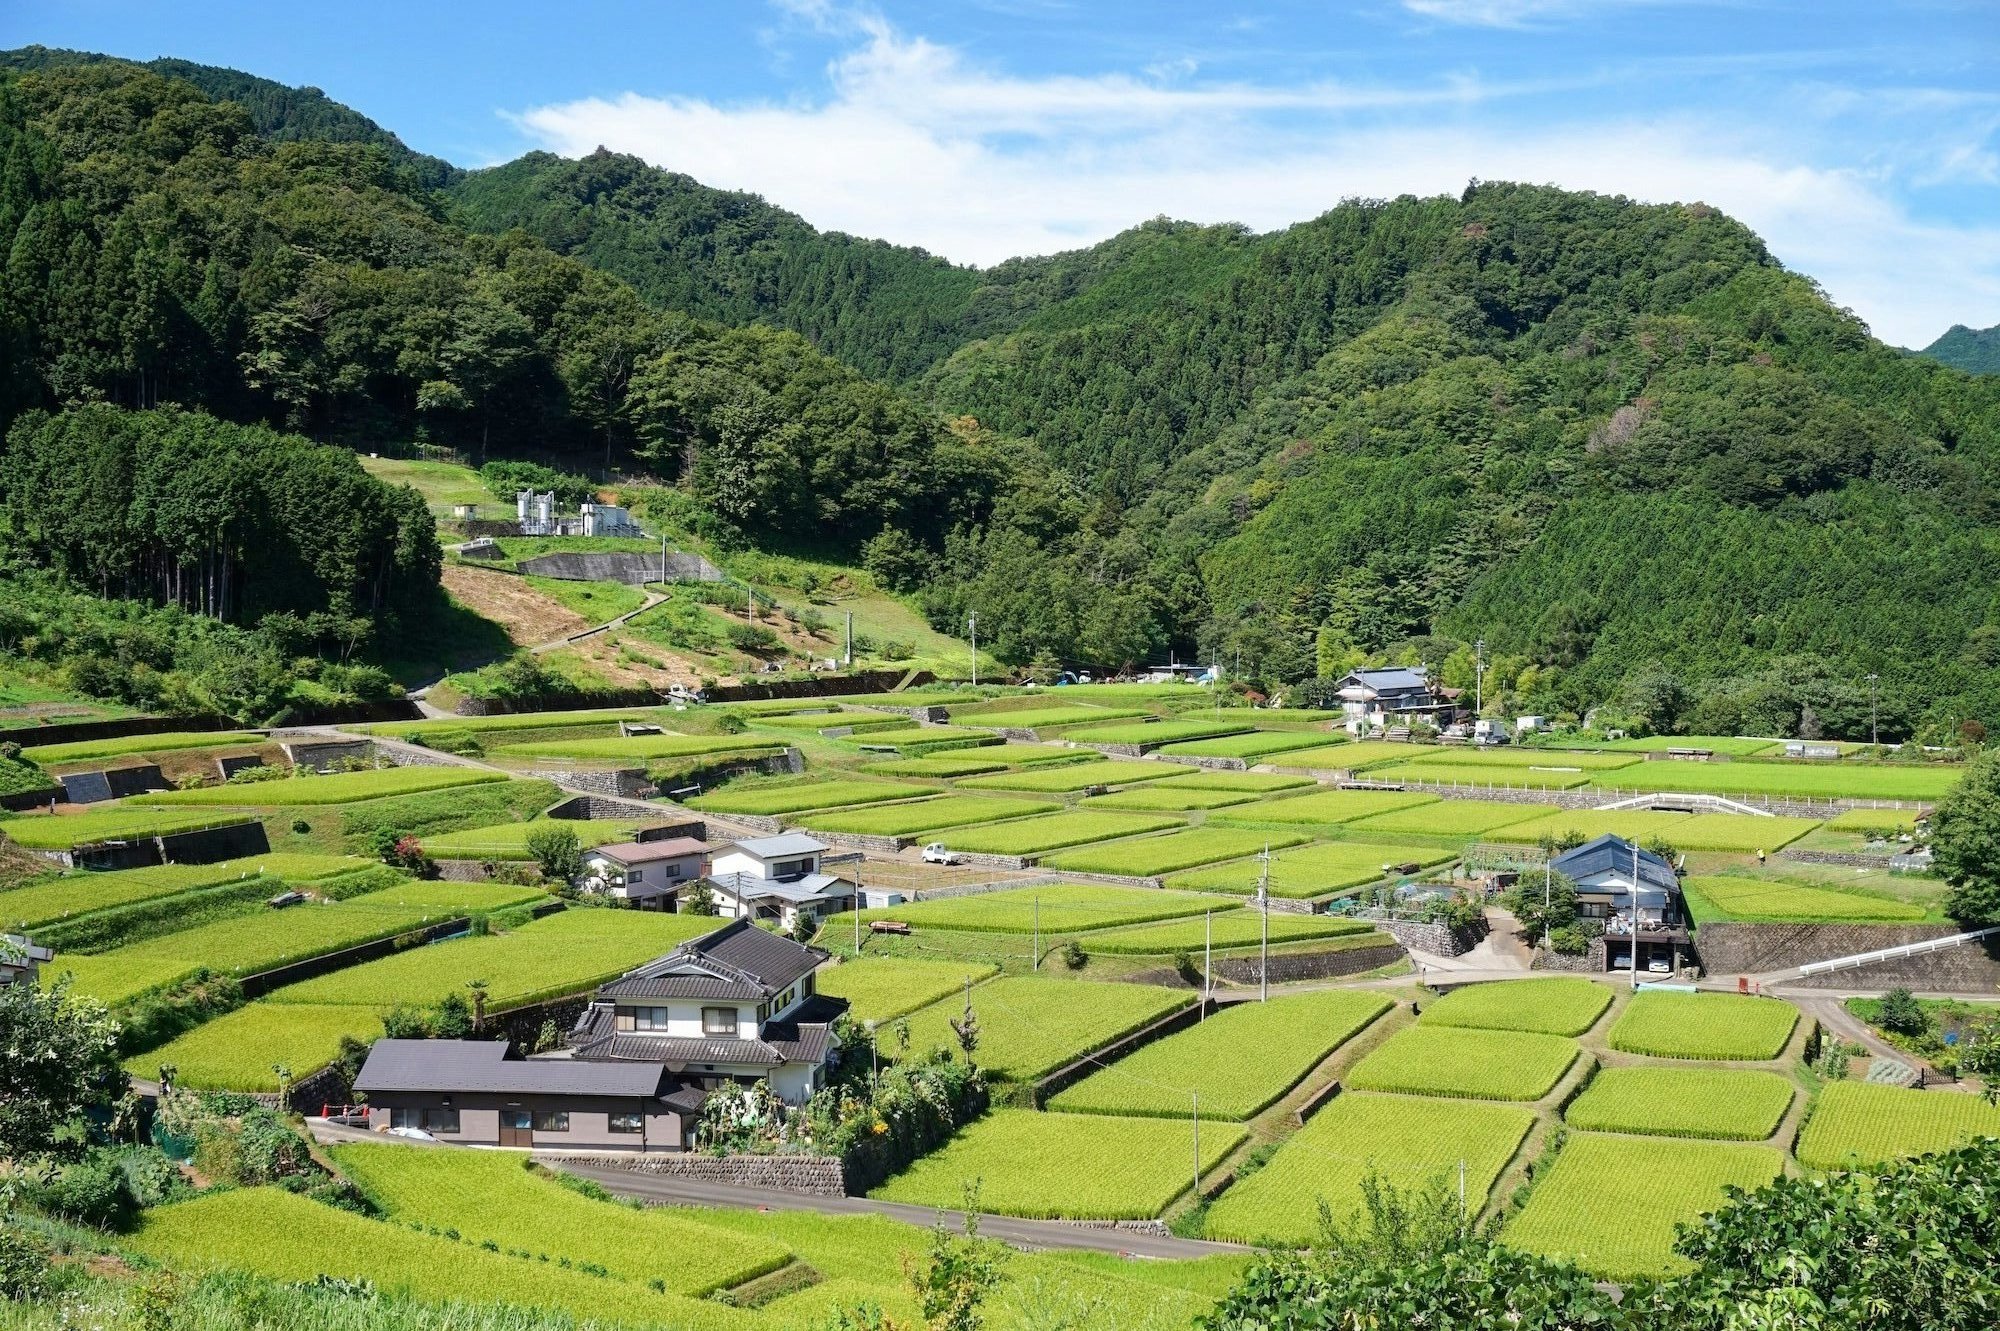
(1030, 1235)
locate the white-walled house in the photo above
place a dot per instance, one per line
(649, 874)
(734, 1006)
(784, 858)
(1397, 695)
(776, 878)
(21, 959)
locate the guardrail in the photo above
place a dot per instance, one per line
(1860, 959)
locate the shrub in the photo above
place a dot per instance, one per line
(1901, 1013)
(556, 849)
(24, 1265)
(91, 1191)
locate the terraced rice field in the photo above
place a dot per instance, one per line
(1728, 1104)
(1875, 820)
(638, 749)
(1455, 818)
(1238, 1061)
(1229, 928)
(1512, 756)
(1069, 1166)
(915, 739)
(1640, 825)
(1039, 718)
(487, 1196)
(251, 944)
(1475, 1065)
(1833, 780)
(1030, 1026)
(931, 815)
(79, 894)
(1312, 871)
(943, 766)
(120, 823)
(1255, 783)
(1558, 1005)
(1765, 900)
(1465, 774)
(1064, 908)
(506, 721)
(509, 841)
(1612, 1204)
(241, 1050)
(1739, 832)
(1409, 1141)
(1257, 745)
(1037, 836)
(883, 988)
(57, 755)
(835, 720)
(235, 1229)
(1148, 857)
(1070, 777)
(1734, 746)
(1169, 795)
(1855, 1124)
(1710, 1027)
(1355, 755)
(335, 788)
(795, 797)
(1327, 808)
(1154, 732)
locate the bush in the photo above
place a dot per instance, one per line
(556, 849)
(1902, 1014)
(752, 638)
(91, 1191)
(1074, 956)
(506, 479)
(24, 1265)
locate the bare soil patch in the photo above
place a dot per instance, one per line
(527, 615)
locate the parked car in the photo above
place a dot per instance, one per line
(935, 853)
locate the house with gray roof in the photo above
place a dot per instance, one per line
(777, 879)
(1635, 894)
(1375, 700)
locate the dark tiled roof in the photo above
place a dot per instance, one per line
(481, 1065)
(683, 986)
(797, 1043)
(1614, 853)
(775, 960)
(679, 1052)
(820, 1009)
(687, 1101)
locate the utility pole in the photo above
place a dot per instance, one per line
(1207, 961)
(1635, 917)
(1874, 729)
(858, 899)
(1197, 1142)
(850, 639)
(972, 622)
(1264, 918)
(663, 557)
(1479, 677)
(1038, 932)
(1548, 894)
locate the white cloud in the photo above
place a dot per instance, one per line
(917, 145)
(1513, 13)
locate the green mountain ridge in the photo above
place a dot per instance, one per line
(1974, 350)
(1620, 442)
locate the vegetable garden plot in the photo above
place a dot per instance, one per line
(1058, 780)
(1730, 1104)
(1325, 808)
(1068, 1166)
(335, 788)
(1150, 856)
(1257, 783)
(1519, 778)
(925, 815)
(1034, 836)
(249, 944)
(1740, 832)
(509, 841)
(1559, 1005)
(1476, 1065)
(1548, 759)
(1229, 928)
(1716, 1027)
(1154, 732)
(123, 822)
(242, 1050)
(639, 748)
(1257, 744)
(1030, 1026)
(1171, 795)
(1844, 780)
(236, 1230)
(1639, 825)
(1764, 900)
(1611, 1204)
(1855, 1124)
(797, 796)
(487, 1196)
(883, 988)
(1464, 818)
(1064, 908)
(77, 894)
(52, 755)
(1239, 1060)
(562, 954)
(1312, 871)
(1412, 1143)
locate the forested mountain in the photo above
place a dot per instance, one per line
(1974, 350)
(1621, 443)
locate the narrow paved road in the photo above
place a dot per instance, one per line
(1029, 1235)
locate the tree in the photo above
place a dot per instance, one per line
(58, 1064)
(557, 850)
(1901, 1014)
(1965, 841)
(700, 899)
(1542, 903)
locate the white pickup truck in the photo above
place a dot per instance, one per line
(935, 853)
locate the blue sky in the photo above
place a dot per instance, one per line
(1862, 140)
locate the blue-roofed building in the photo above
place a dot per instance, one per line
(1633, 893)
(1393, 696)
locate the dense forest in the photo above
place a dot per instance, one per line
(1652, 469)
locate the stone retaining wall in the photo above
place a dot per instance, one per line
(1840, 859)
(1065, 1077)
(1286, 967)
(1419, 936)
(994, 861)
(625, 783)
(1589, 962)
(320, 754)
(1199, 760)
(888, 845)
(978, 889)
(812, 1175)
(1111, 879)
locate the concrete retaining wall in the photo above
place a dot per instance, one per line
(318, 755)
(626, 782)
(1065, 1077)
(1289, 966)
(812, 1175)
(1751, 949)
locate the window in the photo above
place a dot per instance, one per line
(403, 1118)
(718, 1021)
(628, 1123)
(763, 1012)
(440, 1120)
(551, 1120)
(649, 1018)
